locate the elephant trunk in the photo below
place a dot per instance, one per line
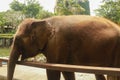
(14, 55)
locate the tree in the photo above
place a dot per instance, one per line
(70, 7)
(17, 6)
(2, 22)
(110, 9)
(44, 14)
(85, 4)
(13, 18)
(10, 19)
(30, 8)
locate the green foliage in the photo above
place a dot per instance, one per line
(10, 19)
(44, 14)
(13, 18)
(30, 8)
(85, 5)
(2, 22)
(16, 5)
(110, 9)
(70, 7)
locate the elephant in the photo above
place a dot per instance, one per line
(74, 39)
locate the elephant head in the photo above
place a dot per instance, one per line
(30, 39)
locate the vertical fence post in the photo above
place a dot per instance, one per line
(0, 63)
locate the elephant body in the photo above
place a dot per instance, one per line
(76, 40)
(82, 41)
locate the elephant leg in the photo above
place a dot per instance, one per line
(99, 77)
(69, 75)
(53, 74)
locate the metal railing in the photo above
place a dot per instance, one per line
(70, 68)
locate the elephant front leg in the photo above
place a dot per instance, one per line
(99, 77)
(69, 75)
(53, 74)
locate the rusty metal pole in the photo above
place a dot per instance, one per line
(0, 63)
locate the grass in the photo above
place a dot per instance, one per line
(4, 52)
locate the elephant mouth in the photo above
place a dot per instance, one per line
(26, 55)
(43, 49)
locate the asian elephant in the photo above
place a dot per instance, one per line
(76, 40)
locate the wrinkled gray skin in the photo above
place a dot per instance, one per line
(79, 40)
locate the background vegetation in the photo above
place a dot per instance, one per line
(110, 9)
(18, 11)
(71, 7)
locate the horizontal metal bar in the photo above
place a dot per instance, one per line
(72, 68)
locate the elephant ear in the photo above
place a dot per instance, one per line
(38, 25)
(41, 31)
(41, 26)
